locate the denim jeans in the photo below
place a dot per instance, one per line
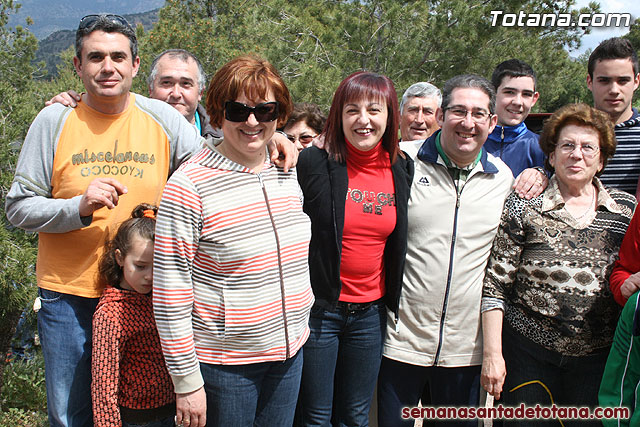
(257, 394)
(65, 328)
(341, 363)
(572, 381)
(402, 385)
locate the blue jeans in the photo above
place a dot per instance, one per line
(257, 394)
(65, 328)
(341, 363)
(572, 381)
(402, 384)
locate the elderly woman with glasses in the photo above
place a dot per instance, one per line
(232, 293)
(548, 274)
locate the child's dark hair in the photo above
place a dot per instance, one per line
(512, 68)
(142, 223)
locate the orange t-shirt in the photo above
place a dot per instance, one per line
(130, 147)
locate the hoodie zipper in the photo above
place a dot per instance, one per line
(282, 293)
(501, 140)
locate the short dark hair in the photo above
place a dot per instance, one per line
(581, 115)
(184, 56)
(311, 114)
(613, 48)
(105, 22)
(142, 223)
(469, 81)
(512, 68)
(362, 85)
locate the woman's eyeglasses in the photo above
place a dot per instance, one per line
(239, 112)
(588, 150)
(304, 139)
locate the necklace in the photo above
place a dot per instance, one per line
(590, 208)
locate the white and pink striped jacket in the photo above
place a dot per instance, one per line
(231, 278)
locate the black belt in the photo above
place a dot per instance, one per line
(354, 307)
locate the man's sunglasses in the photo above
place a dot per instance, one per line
(89, 20)
(239, 112)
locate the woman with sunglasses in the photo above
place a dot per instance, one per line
(355, 190)
(305, 124)
(231, 292)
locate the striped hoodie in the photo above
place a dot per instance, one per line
(231, 277)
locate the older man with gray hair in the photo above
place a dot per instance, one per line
(418, 111)
(177, 78)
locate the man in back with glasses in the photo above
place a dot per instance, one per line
(80, 173)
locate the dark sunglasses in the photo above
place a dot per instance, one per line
(89, 20)
(239, 112)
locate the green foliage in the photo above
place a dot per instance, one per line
(22, 418)
(634, 37)
(17, 262)
(24, 393)
(634, 34)
(316, 44)
(17, 110)
(66, 78)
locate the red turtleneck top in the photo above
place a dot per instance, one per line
(370, 217)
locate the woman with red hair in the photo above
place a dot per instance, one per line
(231, 291)
(356, 191)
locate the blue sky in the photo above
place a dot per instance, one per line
(590, 41)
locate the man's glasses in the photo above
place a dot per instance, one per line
(304, 139)
(588, 150)
(89, 20)
(459, 113)
(239, 112)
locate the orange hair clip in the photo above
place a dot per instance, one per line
(149, 213)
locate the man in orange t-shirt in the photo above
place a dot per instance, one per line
(80, 173)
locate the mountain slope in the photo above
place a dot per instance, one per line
(50, 47)
(51, 16)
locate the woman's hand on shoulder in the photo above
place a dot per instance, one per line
(191, 408)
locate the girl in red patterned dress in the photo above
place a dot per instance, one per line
(131, 385)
